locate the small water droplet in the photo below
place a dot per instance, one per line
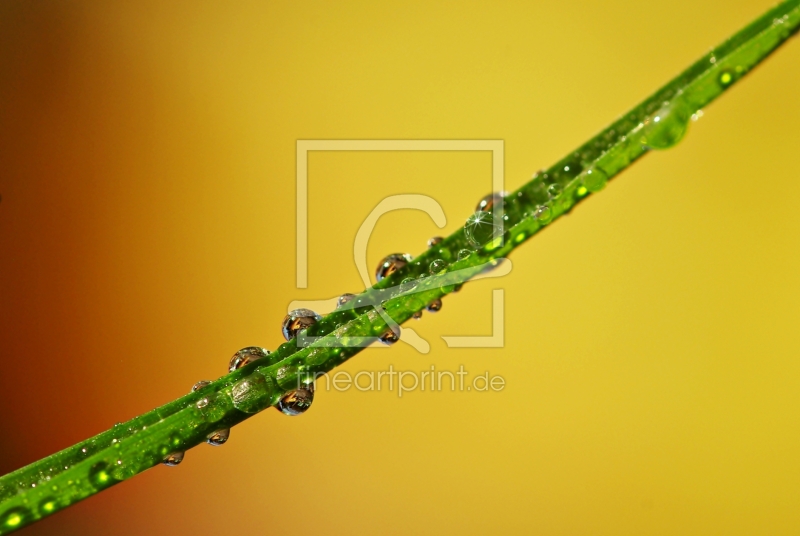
(219, 438)
(296, 402)
(245, 356)
(435, 306)
(15, 517)
(408, 284)
(344, 298)
(437, 267)
(726, 77)
(489, 201)
(581, 191)
(47, 506)
(554, 190)
(542, 213)
(200, 385)
(99, 475)
(479, 229)
(464, 254)
(435, 241)
(203, 402)
(390, 264)
(298, 320)
(389, 337)
(174, 459)
(666, 127)
(594, 180)
(417, 315)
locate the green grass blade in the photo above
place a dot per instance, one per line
(659, 122)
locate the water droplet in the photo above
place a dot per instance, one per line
(435, 241)
(594, 180)
(464, 254)
(489, 201)
(542, 213)
(389, 337)
(296, 402)
(437, 267)
(581, 191)
(174, 459)
(15, 517)
(203, 402)
(344, 298)
(726, 77)
(417, 315)
(200, 385)
(408, 284)
(298, 320)
(435, 306)
(554, 190)
(47, 505)
(479, 229)
(219, 438)
(245, 356)
(390, 264)
(666, 127)
(99, 475)
(251, 394)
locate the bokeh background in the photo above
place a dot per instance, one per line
(147, 174)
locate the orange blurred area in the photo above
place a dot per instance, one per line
(147, 232)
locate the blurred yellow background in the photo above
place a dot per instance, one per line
(147, 174)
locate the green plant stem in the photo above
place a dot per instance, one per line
(80, 471)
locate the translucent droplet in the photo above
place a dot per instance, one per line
(174, 459)
(542, 213)
(479, 229)
(202, 403)
(200, 385)
(296, 321)
(99, 475)
(666, 127)
(726, 77)
(435, 306)
(344, 298)
(389, 337)
(554, 190)
(390, 264)
(408, 284)
(464, 254)
(251, 394)
(47, 505)
(489, 201)
(437, 267)
(245, 356)
(435, 241)
(417, 315)
(219, 438)
(15, 517)
(296, 402)
(594, 180)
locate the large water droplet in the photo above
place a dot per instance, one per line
(479, 229)
(296, 402)
(219, 438)
(437, 267)
(435, 241)
(435, 306)
(15, 517)
(489, 201)
(543, 213)
(250, 394)
(390, 264)
(245, 356)
(667, 126)
(174, 459)
(298, 320)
